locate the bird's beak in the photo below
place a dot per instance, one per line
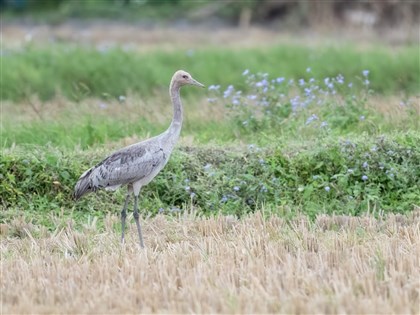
(194, 82)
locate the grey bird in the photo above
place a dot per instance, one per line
(136, 165)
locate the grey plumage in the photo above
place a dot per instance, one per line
(137, 164)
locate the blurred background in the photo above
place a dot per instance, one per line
(393, 21)
(327, 33)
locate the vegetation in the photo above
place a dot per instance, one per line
(326, 176)
(80, 72)
(309, 145)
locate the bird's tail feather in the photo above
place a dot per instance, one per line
(83, 185)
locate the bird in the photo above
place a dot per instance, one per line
(136, 165)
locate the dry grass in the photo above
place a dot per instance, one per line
(217, 265)
(141, 38)
(156, 109)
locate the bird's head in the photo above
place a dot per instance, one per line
(182, 77)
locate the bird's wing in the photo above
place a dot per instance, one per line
(128, 165)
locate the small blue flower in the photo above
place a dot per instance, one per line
(214, 87)
(212, 100)
(121, 98)
(366, 82)
(224, 199)
(263, 189)
(364, 178)
(308, 69)
(161, 210)
(308, 92)
(365, 73)
(192, 195)
(187, 188)
(245, 72)
(311, 119)
(350, 85)
(324, 124)
(327, 188)
(252, 97)
(295, 102)
(350, 170)
(301, 82)
(262, 162)
(280, 80)
(236, 188)
(207, 166)
(261, 83)
(228, 91)
(365, 165)
(362, 117)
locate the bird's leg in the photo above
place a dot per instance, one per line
(123, 216)
(136, 218)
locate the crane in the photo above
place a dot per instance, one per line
(136, 165)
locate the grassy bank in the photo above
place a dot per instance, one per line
(331, 175)
(79, 72)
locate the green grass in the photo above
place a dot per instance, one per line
(291, 178)
(79, 72)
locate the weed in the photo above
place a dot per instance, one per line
(299, 108)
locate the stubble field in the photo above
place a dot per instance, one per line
(334, 265)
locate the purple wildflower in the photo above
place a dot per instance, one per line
(311, 119)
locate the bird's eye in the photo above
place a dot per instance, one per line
(185, 76)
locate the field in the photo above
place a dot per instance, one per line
(293, 188)
(259, 264)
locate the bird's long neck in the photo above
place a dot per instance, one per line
(176, 123)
